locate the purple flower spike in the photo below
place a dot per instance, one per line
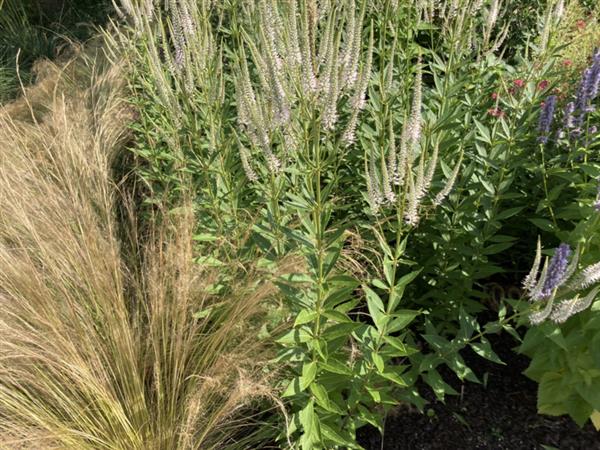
(594, 83)
(589, 85)
(546, 117)
(556, 269)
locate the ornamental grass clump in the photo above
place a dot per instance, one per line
(99, 345)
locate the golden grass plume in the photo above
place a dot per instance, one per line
(98, 345)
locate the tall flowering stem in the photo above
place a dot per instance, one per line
(546, 118)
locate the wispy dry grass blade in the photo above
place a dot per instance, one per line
(98, 345)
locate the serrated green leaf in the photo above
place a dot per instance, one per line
(293, 388)
(323, 400)
(394, 377)
(337, 316)
(484, 349)
(305, 316)
(309, 372)
(401, 319)
(334, 366)
(378, 361)
(340, 329)
(376, 309)
(294, 337)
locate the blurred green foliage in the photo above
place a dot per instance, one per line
(34, 29)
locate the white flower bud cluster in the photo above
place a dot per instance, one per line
(396, 184)
(306, 56)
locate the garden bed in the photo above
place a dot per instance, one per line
(499, 415)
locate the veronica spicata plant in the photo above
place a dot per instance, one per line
(300, 104)
(558, 279)
(578, 127)
(565, 316)
(300, 94)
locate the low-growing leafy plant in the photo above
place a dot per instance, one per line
(563, 343)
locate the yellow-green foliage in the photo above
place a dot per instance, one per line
(581, 32)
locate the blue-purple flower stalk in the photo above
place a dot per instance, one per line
(560, 273)
(556, 270)
(586, 93)
(546, 117)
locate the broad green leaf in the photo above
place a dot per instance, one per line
(392, 376)
(337, 437)
(309, 372)
(468, 324)
(294, 337)
(369, 417)
(337, 316)
(462, 371)
(505, 214)
(388, 270)
(438, 342)
(399, 288)
(497, 248)
(323, 399)
(335, 366)
(543, 224)
(380, 284)
(402, 348)
(554, 333)
(439, 386)
(337, 295)
(373, 299)
(595, 418)
(339, 330)
(305, 316)
(484, 349)
(376, 310)
(378, 361)
(401, 319)
(310, 425)
(293, 388)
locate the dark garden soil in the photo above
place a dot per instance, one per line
(501, 416)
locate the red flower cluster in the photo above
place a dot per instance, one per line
(542, 85)
(495, 112)
(517, 84)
